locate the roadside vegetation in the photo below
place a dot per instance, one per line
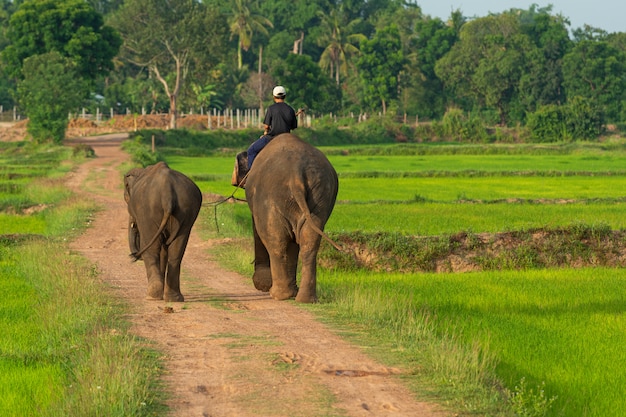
(498, 293)
(63, 338)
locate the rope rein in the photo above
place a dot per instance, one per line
(232, 197)
(223, 200)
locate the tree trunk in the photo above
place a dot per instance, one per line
(173, 94)
(172, 111)
(297, 44)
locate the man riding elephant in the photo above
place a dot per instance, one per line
(291, 191)
(279, 118)
(163, 205)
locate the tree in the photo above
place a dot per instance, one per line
(486, 64)
(105, 7)
(542, 83)
(379, 64)
(307, 86)
(170, 38)
(7, 8)
(50, 89)
(595, 70)
(338, 39)
(244, 22)
(7, 84)
(70, 27)
(433, 40)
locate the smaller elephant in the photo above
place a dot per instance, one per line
(163, 205)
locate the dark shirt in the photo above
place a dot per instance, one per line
(281, 118)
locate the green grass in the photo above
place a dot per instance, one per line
(63, 342)
(446, 189)
(430, 219)
(11, 224)
(566, 328)
(62, 338)
(488, 164)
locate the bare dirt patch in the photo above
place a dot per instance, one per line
(230, 350)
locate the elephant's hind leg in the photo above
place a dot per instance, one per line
(309, 246)
(284, 266)
(153, 261)
(262, 277)
(175, 252)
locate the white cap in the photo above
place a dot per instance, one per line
(279, 91)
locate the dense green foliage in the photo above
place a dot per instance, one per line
(50, 90)
(333, 57)
(70, 27)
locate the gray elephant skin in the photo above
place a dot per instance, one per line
(291, 191)
(163, 205)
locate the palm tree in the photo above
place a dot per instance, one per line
(339, 42)
(244, 23)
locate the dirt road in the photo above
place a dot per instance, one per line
(230, 350)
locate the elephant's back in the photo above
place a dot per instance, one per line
(288, 153)
(288, 164)
(167, 189)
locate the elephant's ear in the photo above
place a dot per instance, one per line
(129, 180)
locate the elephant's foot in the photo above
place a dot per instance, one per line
(262, 278)
(155, 290)
(173, 297)
(306, 298)
(283, 293)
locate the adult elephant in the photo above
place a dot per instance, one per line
(163, 205)
(291, 191)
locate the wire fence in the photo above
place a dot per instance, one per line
(210, 119)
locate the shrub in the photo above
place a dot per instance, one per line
(546, 124)
(456, 125)
(578, 119)
(583, 118)
(140, 153)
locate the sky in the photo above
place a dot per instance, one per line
(609, 15)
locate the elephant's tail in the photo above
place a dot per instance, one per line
(166, 216)
(299, 197)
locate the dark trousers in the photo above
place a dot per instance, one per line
(256, 147)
